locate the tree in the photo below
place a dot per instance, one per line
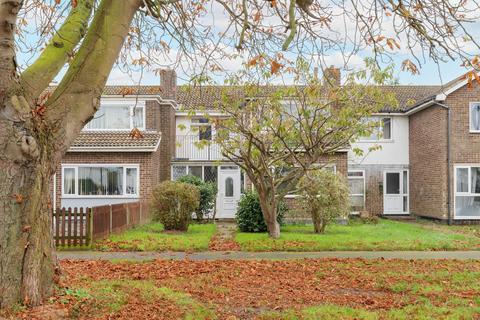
(278, 134)
(37, 125)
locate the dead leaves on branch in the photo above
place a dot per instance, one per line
(136, 134)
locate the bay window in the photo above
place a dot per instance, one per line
(100, 181)
(121, 116)
(467, 192)
(475, 117)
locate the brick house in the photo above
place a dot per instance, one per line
(428, 165)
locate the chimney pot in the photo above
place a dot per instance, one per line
(332, 76)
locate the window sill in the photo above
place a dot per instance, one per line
(376, 141)
(69, 196)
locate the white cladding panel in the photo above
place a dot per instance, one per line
(393, 151)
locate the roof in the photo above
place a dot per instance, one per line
(115, 141)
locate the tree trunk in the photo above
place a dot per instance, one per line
(269, 211)
(27, 261)
(319, 225)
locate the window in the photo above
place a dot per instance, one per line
(100, 181)
(206, 173)
(229, 187)
(118, 117)
(204, 128)
(467, 192)
(356, 182)
(382, 132)
(475, 117)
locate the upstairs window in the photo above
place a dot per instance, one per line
(475, 117)
(203, 127)
(382, 132)
(118, 117)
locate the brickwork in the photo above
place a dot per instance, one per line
(167, 144)
(428, 162)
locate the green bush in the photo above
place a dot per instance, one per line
(173, 204)
(249, 213)
(208, 193)
(325, 196)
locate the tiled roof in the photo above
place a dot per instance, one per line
(116, 141)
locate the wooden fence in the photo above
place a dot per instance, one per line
(79, 227)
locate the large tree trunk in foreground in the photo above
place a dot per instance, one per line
(34, 135)
(27, 263)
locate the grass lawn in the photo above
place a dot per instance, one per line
(386, 235)
(300, 289)
(151, 237)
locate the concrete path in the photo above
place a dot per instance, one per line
(237, 255)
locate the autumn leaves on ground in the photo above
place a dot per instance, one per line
(303, 289)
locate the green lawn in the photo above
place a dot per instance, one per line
(386, 235)
(152, 237)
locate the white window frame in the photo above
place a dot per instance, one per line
(199, 125)
(364, 186)
(187, 165)
(103, 165)
(132, 104)
(470, 122)
(464, 194)
(380, 128)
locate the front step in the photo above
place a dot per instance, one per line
(403, 217)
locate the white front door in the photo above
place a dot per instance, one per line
(395, 192)
(228, 191)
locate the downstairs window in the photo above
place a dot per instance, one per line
(467, 192)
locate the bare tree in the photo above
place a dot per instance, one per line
(279, 134)
(38, 124)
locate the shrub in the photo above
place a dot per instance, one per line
(325, 196)
(173, 204)
(249, 213)
(208, 193)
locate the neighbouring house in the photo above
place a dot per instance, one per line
(428, 164)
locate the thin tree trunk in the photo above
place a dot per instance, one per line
(269, 211)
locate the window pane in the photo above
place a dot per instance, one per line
(475, 117)
(355, 174)
(205, 133)
(195, 171)
(462, 179)
(117, 117)
(69, 180)
(178, 172)
(356, 186)
(405, 182)
(387, 128)
(210, 174)
(138, 117)
(467, 206)
(98, 121)
(357, 202)
(229, 187)
(393, 183)
(131, 180)
(405, 204)
(475, 172)
(100, 181)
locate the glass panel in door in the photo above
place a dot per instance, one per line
(393, 183)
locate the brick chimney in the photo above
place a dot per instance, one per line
(168, 83)
(332, 76)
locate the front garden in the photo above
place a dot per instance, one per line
(386, 235)
(301, 289)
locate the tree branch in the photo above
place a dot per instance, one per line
(38, 75)
(8, 16)
(76, 99)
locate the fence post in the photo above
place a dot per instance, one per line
(111, 219)
(90, 226)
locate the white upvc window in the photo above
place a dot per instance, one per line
(474, 117)
(207, 173)
(467, 192)
(203, 127)
(356, 183)
(382, 132)
(118, 116)
(100, 181)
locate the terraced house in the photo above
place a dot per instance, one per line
(428, 164)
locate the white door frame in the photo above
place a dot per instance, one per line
(400, 196)
(227, 206)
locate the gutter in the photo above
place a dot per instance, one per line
(449, 162)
